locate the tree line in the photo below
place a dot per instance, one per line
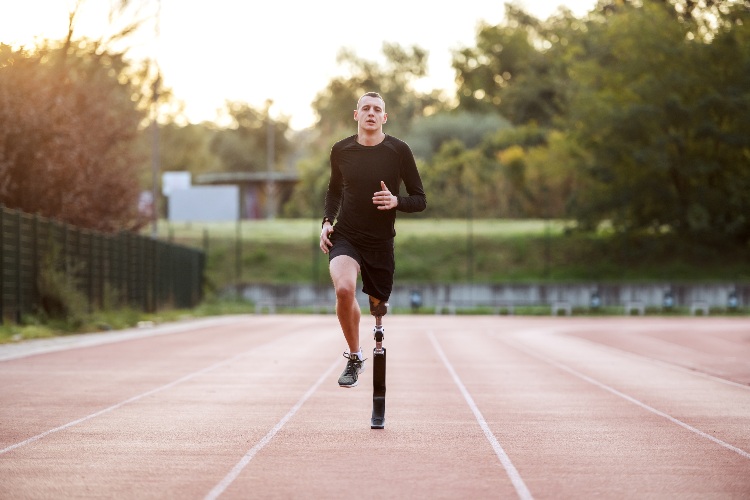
(632, 117)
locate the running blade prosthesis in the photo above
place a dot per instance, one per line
(378, 371)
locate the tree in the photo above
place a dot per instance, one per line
(243, 146)
(70, 117)
(514, 172)
(187, 147)
(702, 17)
(309, 194)
(335, 104)
(67, 127)
(534, 169)
(429, 133)
(663, 115)
(517, 68)
(450, 180)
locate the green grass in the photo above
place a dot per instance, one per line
(458, 251)
(427, 251)
(35, 328)
(294, 229)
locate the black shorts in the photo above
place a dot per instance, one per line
(377, 267)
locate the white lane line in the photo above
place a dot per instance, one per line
(661, 362)
(237, 469)
(521, 489)
(626, 397)
(28, 348)
(127, 401)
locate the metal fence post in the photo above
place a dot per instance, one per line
(19, 280)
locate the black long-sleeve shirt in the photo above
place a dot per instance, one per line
(356, 172)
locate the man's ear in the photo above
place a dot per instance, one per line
(355, 115)
(385, 117)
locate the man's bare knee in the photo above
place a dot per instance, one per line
(345, 293)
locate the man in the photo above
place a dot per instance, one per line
(364, 169)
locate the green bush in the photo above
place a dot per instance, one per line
(60, 294)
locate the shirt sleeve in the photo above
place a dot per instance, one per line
(333, 194)
(416, 200)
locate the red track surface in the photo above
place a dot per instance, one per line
(477, 407)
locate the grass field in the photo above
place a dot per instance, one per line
(294, 229)
(456, 251)
(427, 251)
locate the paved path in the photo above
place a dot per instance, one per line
(477, 407)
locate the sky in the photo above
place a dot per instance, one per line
(285, 50)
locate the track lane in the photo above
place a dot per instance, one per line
(699, 401)
(570, 439)
(50, 390)
(431, 447)
(518, 483)
(567, 437)
(36, 347)
(182, 438)
(717, 346)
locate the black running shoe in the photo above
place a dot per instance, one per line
(354, 367)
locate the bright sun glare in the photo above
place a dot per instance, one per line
(284, 51)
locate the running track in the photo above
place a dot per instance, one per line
(477, 407)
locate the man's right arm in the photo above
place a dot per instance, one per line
(333, 193)
(332, 205)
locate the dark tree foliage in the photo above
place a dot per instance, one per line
(641, 108)
(517, 68)
(335, 104)
(68, 124)
(243, 147)
(663, 115)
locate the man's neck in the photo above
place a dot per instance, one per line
(370, 138)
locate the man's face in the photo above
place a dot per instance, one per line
(371, 113)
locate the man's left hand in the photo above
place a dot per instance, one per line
(384, 199)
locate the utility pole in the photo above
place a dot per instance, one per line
(270, 160)
(155, 167)
(155, 149)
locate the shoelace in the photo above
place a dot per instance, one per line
(350, 369)
(352, 366)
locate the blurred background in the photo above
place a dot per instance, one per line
(593, 155)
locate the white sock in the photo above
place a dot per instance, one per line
(358, 354)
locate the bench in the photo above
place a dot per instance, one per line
(562, 306)
(268, 305)
(450, 307)
(635, 305)
(699, 306)
(498, 308)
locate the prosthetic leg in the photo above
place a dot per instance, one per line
(378, 362)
